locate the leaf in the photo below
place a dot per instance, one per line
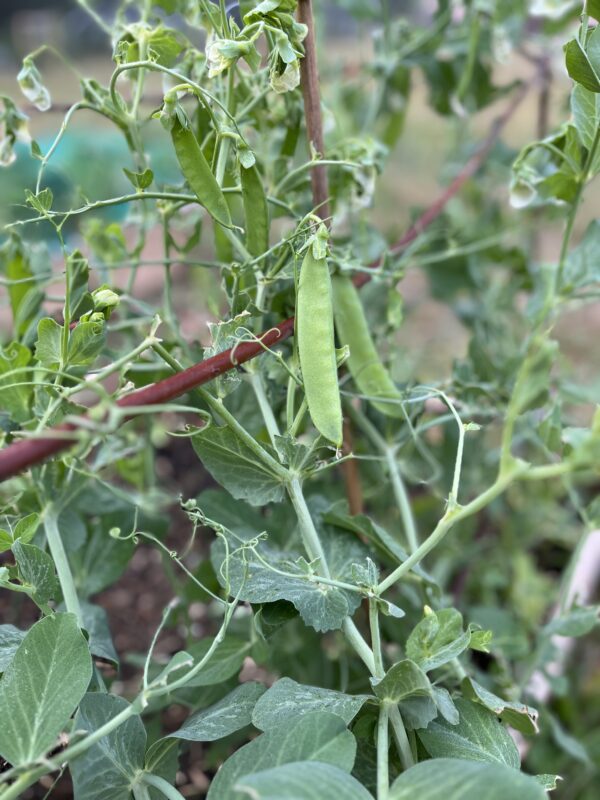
(15, 394)
(36, 572)
(95, 622)
(48, 344)
(445, 704)
(236, 467)
(101, 561)
(287, 699)
(549, 782)
(25, 296)
(303, 780)
(111, 765)
(402, 680)
(86, 342)
(453, 779)
(316, 737)
(579, 66)
(592, 7)
(140, 180)
(42, 687)
(230, 714)
(437, 639)
(226, 661)
(518, 715)
(10, 639)
(585, 106)
(582, 267)
(80, 299)
(479, 736)
(24, 531)
(577, 622)
(322, 606)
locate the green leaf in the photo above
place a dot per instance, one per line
(48, 344)
(24, 295)
(226, 661)
(10, 639)
(592, 7)
(14, 398)
(582, 267)
(36, 572)
(26, 528)
(42, 687)
(437, 639)
(580, 67)
(585, 106)
(140, 180)
(80, 299)
(95, 622)
(453, 779)
(287, 699)
(101, 561)
(479, 736)
(577, 622)
(549, 782)
(112, 764)
(236, 467)
(402, 680)
(230, 714)
(318, 736)
(518, 715)
(86, 342)
(304, 780)
(324, 607)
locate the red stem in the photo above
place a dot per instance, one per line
(21, 455)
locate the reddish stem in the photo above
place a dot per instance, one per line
(26, 453)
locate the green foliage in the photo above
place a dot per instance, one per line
(372, 558)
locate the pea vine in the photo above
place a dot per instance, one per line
(366, 542)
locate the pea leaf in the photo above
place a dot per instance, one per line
(226, 661)
(41, 687)
(437, 639)
(230, 714)
(95, 622)
(582, 267)
(86, 342)
(80, 299)
(10, 639)
(140, 180)
(287, 699)
(36, 572)
(403, 679)
(112, 764)
(235, 466)
(322, 606)
(478, 736)
(304, 780)
(518, 715)
(455, 779)
(580, 65)
(15, 394)
(24, 295)
(577, 622)
(48, 344)
(316, 737)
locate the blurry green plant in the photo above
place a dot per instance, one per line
(388, 675)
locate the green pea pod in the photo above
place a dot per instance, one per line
(316, 347)
(198, 174)
(256, 211)
(369, 373)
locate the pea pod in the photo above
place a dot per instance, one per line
(316, 347)
(370, 375)
(198, 174)
(256, 211)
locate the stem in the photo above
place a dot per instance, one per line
(308, 532)
(61, 562)
(264, 405)
(402, 500)
(402, 743)
(163, 786)
(447, 522)
(362, 649)
(383, 770)
(376, 637)
(140, 792)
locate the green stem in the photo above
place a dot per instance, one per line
(170, 792)
(402, 499)
(264, 405)
(61, 562)
(383, 746)
(447, 522)
(402, 743)
(376, 637)
(362, 649)
(308, 532)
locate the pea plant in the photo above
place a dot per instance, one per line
(388, 562)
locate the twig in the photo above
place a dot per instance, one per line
(21, 455)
